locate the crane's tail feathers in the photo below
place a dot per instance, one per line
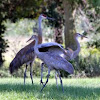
(14, 65)
(70, 69)
(19, 60)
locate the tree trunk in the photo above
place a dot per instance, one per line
(69, 25)
(58, 35)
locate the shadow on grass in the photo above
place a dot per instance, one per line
(52, 91)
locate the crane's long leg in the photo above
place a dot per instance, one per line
(61, 81)
(31, 71)
(56, 79)
(25, 73)
(41, 73)
(31, 74)
(46, 80)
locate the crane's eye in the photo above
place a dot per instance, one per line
(44, 15)
(79, 34)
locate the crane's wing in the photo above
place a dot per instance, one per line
(44, 47)
(53, 47)
(50, 44)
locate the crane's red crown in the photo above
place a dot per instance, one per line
(44, 15)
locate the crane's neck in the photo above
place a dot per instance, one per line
(36, 47)
(76, 52)
(39, 30)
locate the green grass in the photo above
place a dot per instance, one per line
(74, 89)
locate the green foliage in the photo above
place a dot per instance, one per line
(95, 4)
(88, 65)
(27, 27)
(21, 9)
(92, 11)
(21, 27)
(3, 43)
(4, 73)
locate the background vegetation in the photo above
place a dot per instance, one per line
(18, 19)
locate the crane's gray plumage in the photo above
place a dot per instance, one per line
(51, 47)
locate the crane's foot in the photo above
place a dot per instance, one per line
(32, 82)
(45, 82)
(41, 82)
(47, 75)
(63, 90)
(42, 88)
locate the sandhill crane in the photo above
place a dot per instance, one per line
(51, 47)
(52, 60)
(70, 55)
(75, 53)
(22, 57)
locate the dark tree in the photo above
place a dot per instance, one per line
(3, 43)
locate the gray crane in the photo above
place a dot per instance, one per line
(22, 57)
(52, 60)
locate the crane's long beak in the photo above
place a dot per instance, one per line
(83, 36)
(29, 39)
(51, 18)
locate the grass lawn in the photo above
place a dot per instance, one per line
(74, 89)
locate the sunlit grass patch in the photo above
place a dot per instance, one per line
(74, 89)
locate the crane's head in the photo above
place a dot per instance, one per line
(33, 37)
(80, 35)
(43, 16)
